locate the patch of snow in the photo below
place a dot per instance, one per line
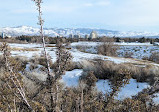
(103, 86)
(77, 56)
(125, 92)
(156, 99)
(133, 44)
(25, 45)
(86, 43)
(71, 78)
(132, 89)
(138, 52)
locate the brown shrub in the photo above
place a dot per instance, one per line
(19, 62)
(70, 66)
(107, 48)
(107, 70)
(89, 78)
(128, 55)
(40, 60)
(154, 57)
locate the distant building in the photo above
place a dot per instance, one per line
(71, 36)
(86, 36)
(93, 35)
(3, 35)
(77, 36)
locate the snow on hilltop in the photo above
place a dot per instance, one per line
(53, 32)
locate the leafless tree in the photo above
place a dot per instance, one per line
(50, 76)
(63, 57)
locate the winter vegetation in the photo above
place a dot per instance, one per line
(39, 73)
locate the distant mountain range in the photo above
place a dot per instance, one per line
(53, 32)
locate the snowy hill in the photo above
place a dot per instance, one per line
(53, 32)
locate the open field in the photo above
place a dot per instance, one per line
(71, 78)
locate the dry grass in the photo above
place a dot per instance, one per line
(1, 73)
(50, 45)
(84, 49)
(19, 62)
(37, 75)
(23, 49)
(68, 48)
(30, 85)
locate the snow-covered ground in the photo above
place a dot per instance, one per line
(129, 90)
(138, 52)
(133, 44)
(79, 56)
(156, 99)
(25, 45)
(71, 78)
(30, 54)
(86, 43)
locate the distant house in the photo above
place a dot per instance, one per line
(156, 43)
(93, 35)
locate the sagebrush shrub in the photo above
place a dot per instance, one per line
(107, 48)
(154, 57)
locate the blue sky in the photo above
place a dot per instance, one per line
(122, 15)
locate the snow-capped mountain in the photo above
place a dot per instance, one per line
(53, 32)
(26, 30)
